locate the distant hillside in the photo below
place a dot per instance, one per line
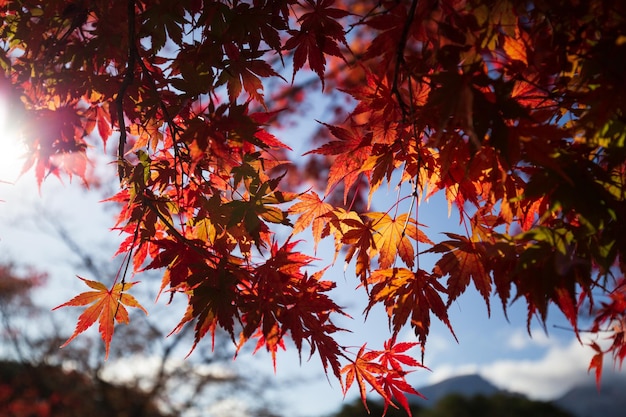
(466, 396)
(466, 385)
(583, 401)
(586, 401)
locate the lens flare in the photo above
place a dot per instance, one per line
(12, 149)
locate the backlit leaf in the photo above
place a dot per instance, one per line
(106, 306)
(312, 211)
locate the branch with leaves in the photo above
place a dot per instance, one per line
(500, 107)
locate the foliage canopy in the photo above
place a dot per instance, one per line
(514, 110)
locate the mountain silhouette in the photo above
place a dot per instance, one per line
(581, 401)
(466, 385)
(588, 401)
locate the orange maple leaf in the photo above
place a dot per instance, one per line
(107, 306)
(392, 238)
(312, 210)
(515, 47)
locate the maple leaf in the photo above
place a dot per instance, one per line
(271, 338)
(392, 238)
(319, 34)
(462, 261)
(99, 116)
(241, 71)
(395, 385)
(390, 26)
(596, 362)
(383, 371)
(393, 356)
(515, 47)
(213, 296)
(55, 144)
(281, 299)
(526, 94)
(308, 319)
(409, 295)
(349, 229)
(107, 307)
(381, 163)
(259, 22)
(364, 370)
(377, 102)
(610, 317)
(311, 210)
(352, 150)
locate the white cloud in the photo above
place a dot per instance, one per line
(550, 376)
(545, 378)
(520, 340)
(228, 407)
(443, 372)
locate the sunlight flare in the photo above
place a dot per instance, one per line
(12, 149)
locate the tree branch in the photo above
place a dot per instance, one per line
(129, 76)
(400, 54)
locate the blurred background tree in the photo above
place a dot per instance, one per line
(150, 377)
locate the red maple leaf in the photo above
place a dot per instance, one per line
(352, 150)
(245, 70)
(409, 295)
(395, 385)
(462, 261)
(611, 317)
(319, 34)
(596, 362)
(383, 371)
(364, 370)
(393, 357)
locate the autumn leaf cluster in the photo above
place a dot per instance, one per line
(514, 111)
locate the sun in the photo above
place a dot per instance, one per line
(12, 149)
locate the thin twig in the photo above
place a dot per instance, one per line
(126, 82)
(400, 54)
